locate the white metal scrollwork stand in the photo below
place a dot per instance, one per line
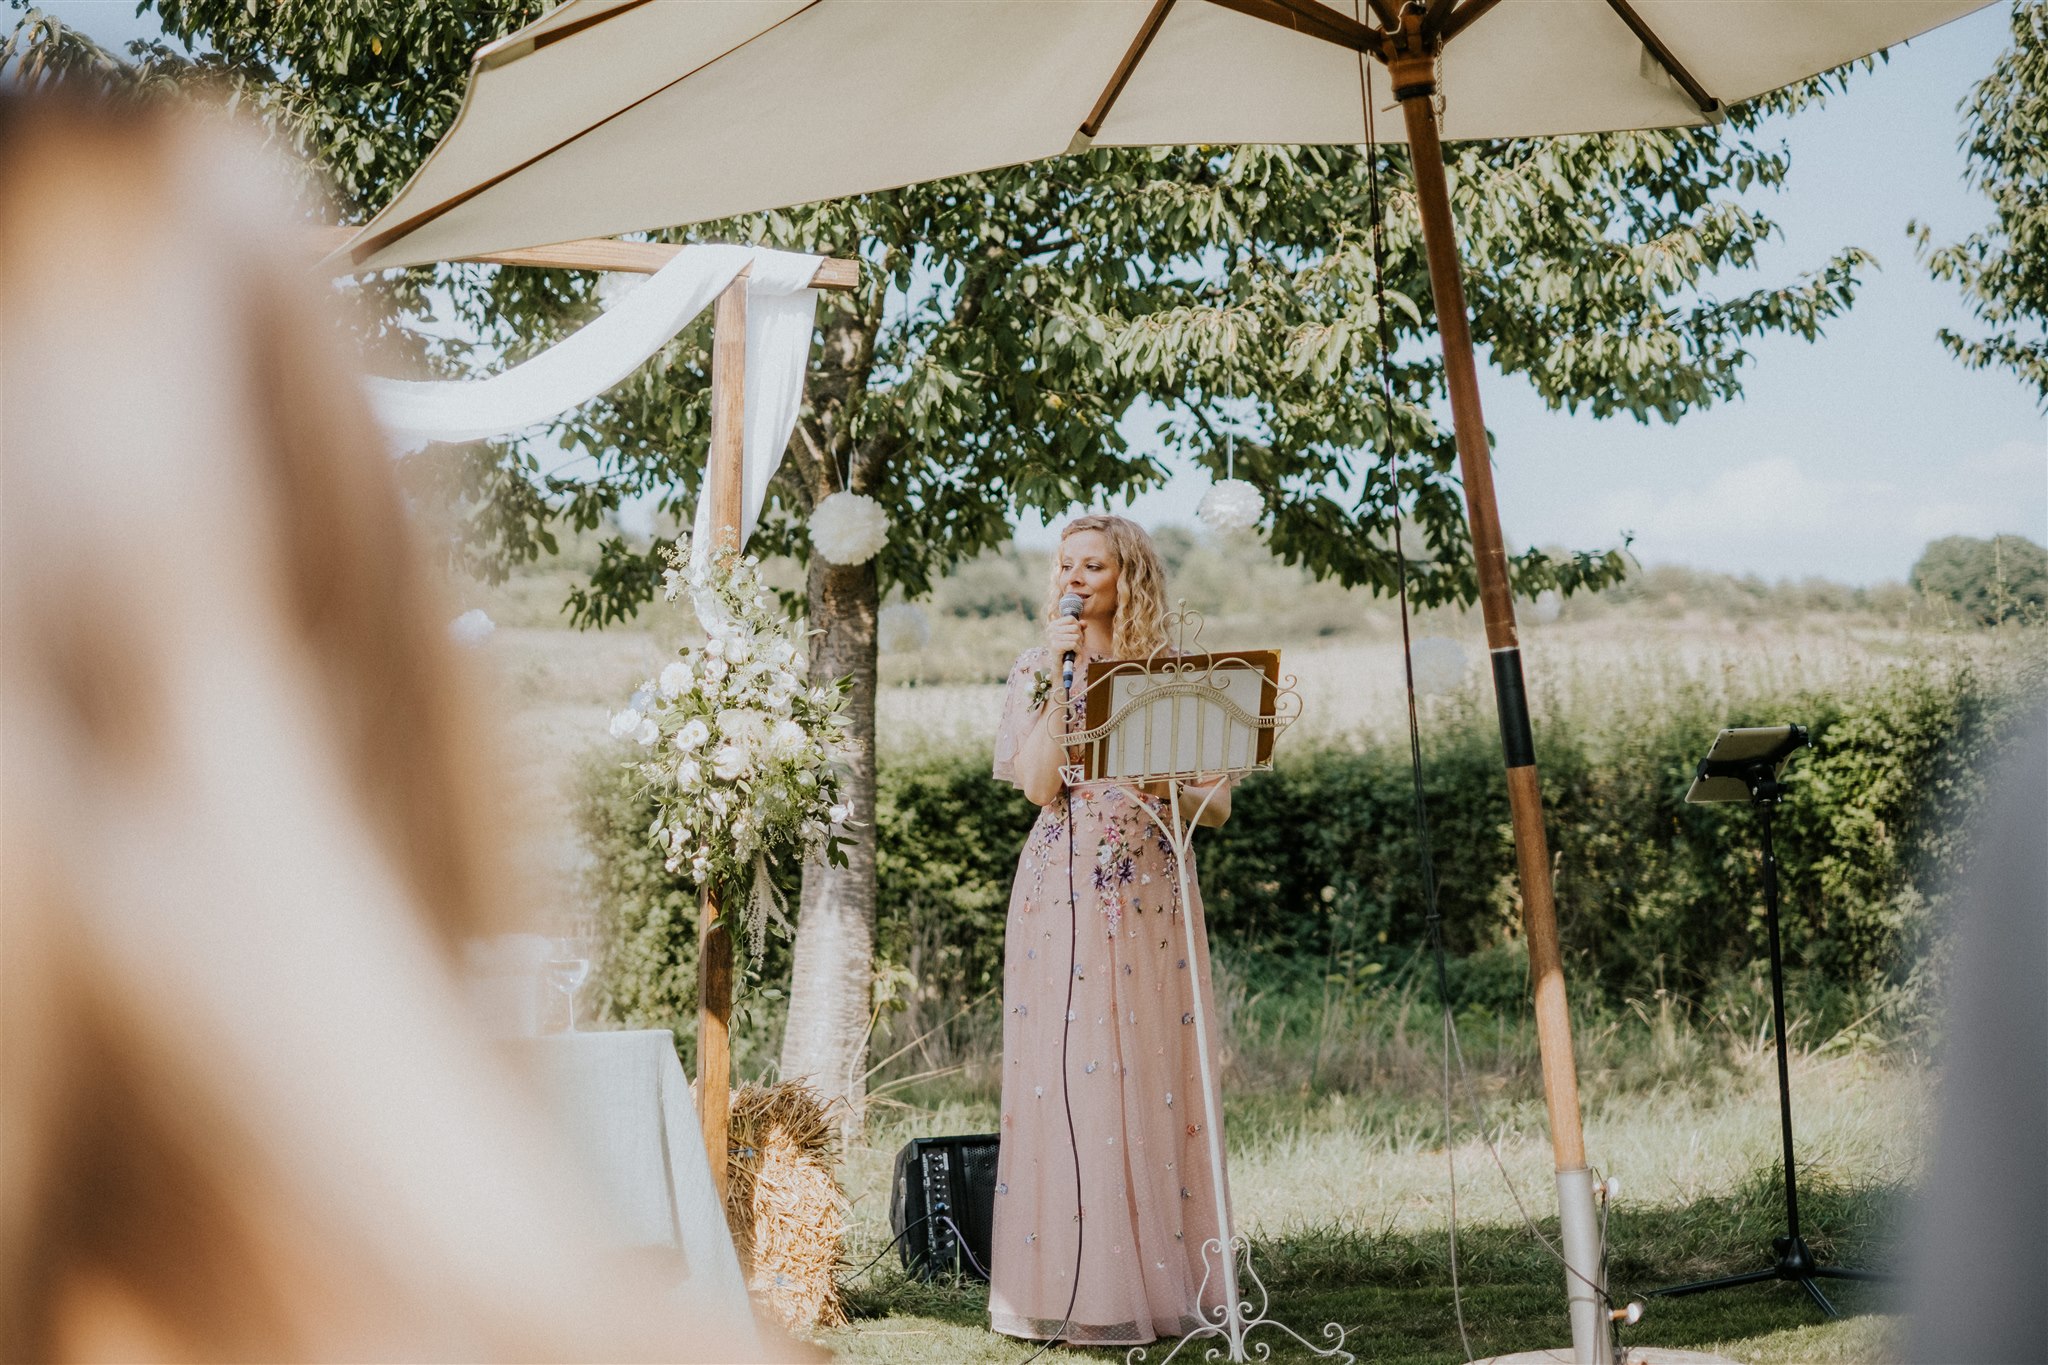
(1184, 718)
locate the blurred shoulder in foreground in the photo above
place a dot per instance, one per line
(242, 1111)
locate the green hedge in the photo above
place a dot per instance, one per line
(1652, 893)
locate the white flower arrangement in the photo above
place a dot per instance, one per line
(746, 758)
(849, 528)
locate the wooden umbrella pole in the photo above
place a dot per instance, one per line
(714, 931)
(1414, 81)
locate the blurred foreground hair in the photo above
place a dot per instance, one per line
(242, 1111)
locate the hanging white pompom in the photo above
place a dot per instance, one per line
(1231, 505)
(1439, 665)
(849, 528)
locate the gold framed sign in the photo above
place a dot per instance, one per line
(1181, 715)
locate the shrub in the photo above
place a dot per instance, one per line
(1653, 894)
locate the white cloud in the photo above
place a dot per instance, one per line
(1778, 512)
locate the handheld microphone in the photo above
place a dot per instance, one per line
(1070, 606)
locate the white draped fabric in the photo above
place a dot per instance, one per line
(781, 311)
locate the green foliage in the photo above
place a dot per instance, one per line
(647, 976)
(1010, 319)
(1653, 894)
(947, 837)
(1990, 581)
(2003, 270)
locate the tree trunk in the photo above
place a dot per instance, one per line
(832, 979)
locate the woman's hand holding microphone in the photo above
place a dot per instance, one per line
(1062, 637)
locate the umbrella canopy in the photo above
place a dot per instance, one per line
(611, 116)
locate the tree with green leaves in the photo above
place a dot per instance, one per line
(1009, 320)
(1987, 581)
(2003, 270)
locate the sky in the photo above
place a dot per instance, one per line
(1843, 457)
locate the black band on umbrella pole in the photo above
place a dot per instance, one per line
(1517, 744)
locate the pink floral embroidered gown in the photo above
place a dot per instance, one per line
(1146, 1197)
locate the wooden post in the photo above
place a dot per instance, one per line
(714, 932)
(1497, 605)
(1414, 79)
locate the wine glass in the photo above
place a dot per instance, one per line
(566, 967)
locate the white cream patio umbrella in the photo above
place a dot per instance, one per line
(611, 116)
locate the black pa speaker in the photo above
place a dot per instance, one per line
(942, 1205)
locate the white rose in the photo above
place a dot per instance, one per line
(787, 739)
(647, 734)
(688, 774)
(730, 762)
(692, 735)
(839, 813)
(676, 679)
(625, 723)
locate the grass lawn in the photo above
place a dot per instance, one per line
(1346, 1200)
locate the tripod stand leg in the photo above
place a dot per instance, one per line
(1843, 1272)
(1704, 1286)
(1813, 1291)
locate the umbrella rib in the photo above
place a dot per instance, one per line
(512, 48)
(1665, 57)
(1464, 17)
(373, 245)
(1146, 33)
(1312, 20)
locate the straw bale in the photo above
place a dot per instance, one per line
(784, 1202)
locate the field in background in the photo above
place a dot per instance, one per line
(558, 686)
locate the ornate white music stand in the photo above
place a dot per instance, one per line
(1175, 718)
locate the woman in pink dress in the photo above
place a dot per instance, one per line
(1099, 997)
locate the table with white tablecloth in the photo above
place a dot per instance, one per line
(625, 1107)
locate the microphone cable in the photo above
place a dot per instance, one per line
(1066, 1033)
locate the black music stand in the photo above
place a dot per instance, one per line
(1744, 765)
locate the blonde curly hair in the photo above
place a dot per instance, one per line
(1139, 627)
